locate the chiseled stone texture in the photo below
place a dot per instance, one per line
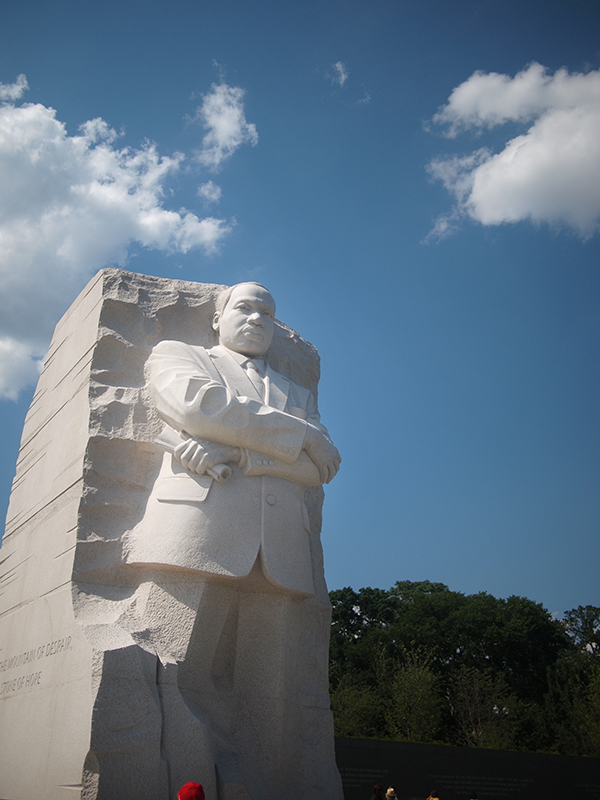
(93, 703)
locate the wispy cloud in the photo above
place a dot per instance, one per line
(222, 115)
(339, 73)
(210, 192)
(14, 91)
(70, 205)
(354, 93)
(549, 173)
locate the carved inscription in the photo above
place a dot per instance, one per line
(487, 786)
(32, 676)
(358, 777)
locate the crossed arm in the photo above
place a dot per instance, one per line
(204, 457)
(225, 429)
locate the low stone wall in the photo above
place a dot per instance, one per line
(456, 772)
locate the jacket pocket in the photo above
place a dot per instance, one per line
(183, 489)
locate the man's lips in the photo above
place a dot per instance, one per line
(252, 333)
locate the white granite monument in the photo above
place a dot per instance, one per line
(163, 611)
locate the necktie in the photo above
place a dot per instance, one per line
(253, 373)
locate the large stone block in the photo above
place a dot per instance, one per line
(108, 688)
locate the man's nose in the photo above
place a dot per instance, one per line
(256, 318)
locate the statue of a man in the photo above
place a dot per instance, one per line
(227, 515)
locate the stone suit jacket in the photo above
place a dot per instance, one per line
(196, 523)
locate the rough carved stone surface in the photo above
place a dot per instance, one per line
(123, 676)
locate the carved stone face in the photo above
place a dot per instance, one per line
(247, 322)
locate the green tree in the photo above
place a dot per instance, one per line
(564, 705)
(582, 624)
(591, 713)
(358, 710)
(414, 710)
(481, 706)
(511, 648)
(360, 630)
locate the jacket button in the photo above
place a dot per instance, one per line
(270, 499)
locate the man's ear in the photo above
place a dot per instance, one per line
(215, 321)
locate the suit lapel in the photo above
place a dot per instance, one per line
(278, 389)
(234, 376)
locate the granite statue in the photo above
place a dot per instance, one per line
(162, 567)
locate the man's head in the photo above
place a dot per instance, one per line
(191, 791)
(245, 321)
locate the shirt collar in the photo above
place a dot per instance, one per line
(242, 360)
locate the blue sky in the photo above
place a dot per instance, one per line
(419, 186)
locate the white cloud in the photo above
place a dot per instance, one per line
(340, 73)
(210, 192)
(490, 99)
(70, 205)
(20, 366)
(222, 114)
(14, 91)
(547, 174)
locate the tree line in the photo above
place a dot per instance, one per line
(422, 663)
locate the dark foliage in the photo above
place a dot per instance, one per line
(423, 663)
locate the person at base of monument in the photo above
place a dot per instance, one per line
(243, 443)
(191, 791)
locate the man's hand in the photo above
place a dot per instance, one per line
(200, 455)
(323, 453)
